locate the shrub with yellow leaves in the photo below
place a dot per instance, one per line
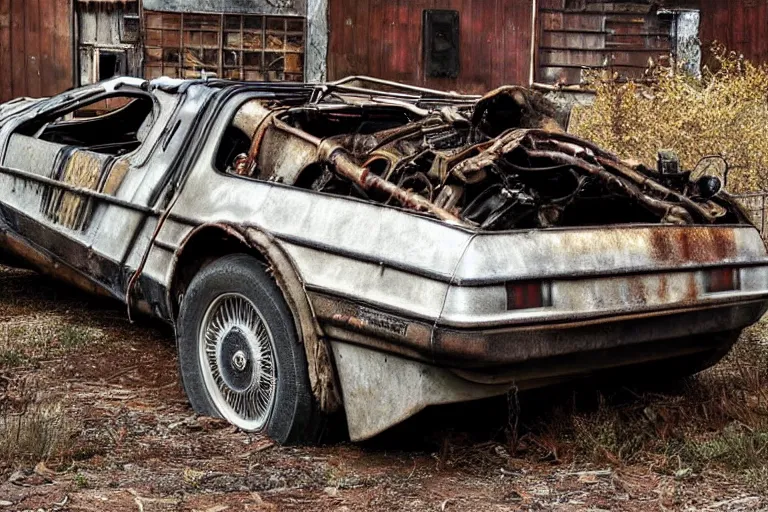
(725, 112)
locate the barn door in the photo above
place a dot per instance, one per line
(36, 42)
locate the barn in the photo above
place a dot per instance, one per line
(47, 46)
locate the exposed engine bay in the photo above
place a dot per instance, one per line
(495, 163)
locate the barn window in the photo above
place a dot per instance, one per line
(441, 43)
(237, 47)
(110, 63)
(103, 48)
(130, 28)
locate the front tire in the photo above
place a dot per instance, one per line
(239, 355)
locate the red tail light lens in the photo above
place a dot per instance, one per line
(528, 295)
(722, 280)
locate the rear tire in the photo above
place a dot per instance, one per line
(239, 355)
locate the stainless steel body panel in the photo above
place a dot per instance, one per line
(383, 279)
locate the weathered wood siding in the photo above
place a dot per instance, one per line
(383, 38)
(742, 25)
(101, 27)
(36, 43)
(621, 37)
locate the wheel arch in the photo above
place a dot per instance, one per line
(209, 242)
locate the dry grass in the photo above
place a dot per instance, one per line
(23, 343)
(714, 422)
(33, 427)
(718, 422)
(725, 113)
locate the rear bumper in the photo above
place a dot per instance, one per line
(609, 341)
(390, 367)
(502, 347)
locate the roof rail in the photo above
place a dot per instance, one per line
(415, 91)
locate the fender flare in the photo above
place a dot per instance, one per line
(322, 373)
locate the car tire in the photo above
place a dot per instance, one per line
(239, 355)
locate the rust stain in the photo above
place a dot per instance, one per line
(663, 292)
(692, 289)
(352, 321)
(45, 264)
(693, 245)
(637, 290)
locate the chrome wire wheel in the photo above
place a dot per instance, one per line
(237, 358)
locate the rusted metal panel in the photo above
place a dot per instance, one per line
(35, 48)
(384, 39)
(618, 37)
(738, 24)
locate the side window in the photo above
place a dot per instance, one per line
(88, 148)
(253, 148)
(114, 126)
(235, 145)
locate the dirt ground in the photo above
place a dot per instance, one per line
(94, 419)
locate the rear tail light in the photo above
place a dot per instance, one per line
(529, 295)
(722, 280)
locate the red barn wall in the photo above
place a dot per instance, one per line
(383, 38)
(742, 25)
(36, 44)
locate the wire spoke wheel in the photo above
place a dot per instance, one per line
(237, 356)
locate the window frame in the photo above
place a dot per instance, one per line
(77, 104)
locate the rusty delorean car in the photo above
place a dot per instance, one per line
(372, 248)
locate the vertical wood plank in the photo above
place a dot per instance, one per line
(18, 49)
(360, 65)
(738, 40)
(406, 65)
(6, 90)
(517, 40)
(416, 38)
(497, 56)
(762, 25)
(32, 41)
(349, 29)
(63, 36)
(376, 55)
(335, 47)
(47, 24)
(388, 57)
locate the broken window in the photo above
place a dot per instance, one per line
(253, 147)
(130, 28)
(495, 164)
(111, 63)
(106, 48)
(119, 128)
(441, 43)
(237, 47)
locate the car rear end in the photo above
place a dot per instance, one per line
(542, 305)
